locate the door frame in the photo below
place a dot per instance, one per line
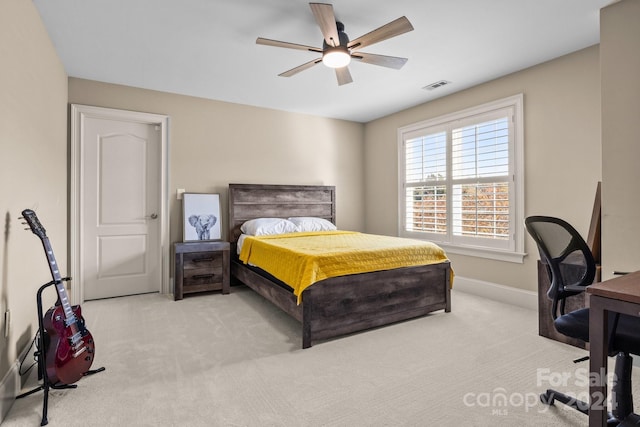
(78, 114)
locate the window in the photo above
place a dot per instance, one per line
(461, 180)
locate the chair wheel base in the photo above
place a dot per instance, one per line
(547, 398)
(550, 396)
(630, 421)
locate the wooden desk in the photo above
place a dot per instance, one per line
(620, 295)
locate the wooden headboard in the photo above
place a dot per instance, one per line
(250, 201)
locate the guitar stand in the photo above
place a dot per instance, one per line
(41, 354)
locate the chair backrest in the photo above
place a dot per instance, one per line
(567, 256)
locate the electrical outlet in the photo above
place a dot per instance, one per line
(7, 323)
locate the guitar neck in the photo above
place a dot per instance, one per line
(57, 278)
(37, 229)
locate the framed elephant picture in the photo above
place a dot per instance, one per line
(201, 217)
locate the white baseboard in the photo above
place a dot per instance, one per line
(13, 382)
(9, 388)
(505, 294)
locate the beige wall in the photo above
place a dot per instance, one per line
(33, 168)
(215, 143)
(619, 47)
(562, 154)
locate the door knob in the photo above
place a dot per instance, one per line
(152, 216)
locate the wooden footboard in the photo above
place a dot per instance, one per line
(347, 304)
(359, 302)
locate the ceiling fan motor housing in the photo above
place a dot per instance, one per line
(344, 38)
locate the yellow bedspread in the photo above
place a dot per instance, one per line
(301, 259)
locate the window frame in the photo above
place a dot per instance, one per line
(511, 250)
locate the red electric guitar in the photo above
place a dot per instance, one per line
(70, 349)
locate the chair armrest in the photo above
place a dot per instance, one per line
(575, 288)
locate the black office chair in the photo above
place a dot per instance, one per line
(571, 267)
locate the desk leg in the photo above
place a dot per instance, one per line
(598, 342)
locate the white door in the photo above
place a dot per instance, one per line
(120, 224)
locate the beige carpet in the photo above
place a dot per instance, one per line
(235, 360)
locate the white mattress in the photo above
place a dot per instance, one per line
(240, 240)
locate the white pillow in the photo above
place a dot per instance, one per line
(268, 226)
(309, 223)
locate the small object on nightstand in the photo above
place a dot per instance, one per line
(201, 267)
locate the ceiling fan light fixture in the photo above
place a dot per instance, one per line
(336, 57)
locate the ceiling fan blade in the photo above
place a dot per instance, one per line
(343, 75)
(382, 60)
(327, 22)
(277, 43)
(300, 68)
(392, 29)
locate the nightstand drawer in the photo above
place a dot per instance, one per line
(201, 260)
(201, 276)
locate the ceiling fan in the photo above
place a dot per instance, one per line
(337, 51)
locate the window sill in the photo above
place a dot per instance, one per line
(515, 257)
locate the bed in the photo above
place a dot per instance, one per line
(339, 305)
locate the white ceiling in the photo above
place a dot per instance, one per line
(206, 48)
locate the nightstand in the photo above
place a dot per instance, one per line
(201, 267)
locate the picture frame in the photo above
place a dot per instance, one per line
(201, 217)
